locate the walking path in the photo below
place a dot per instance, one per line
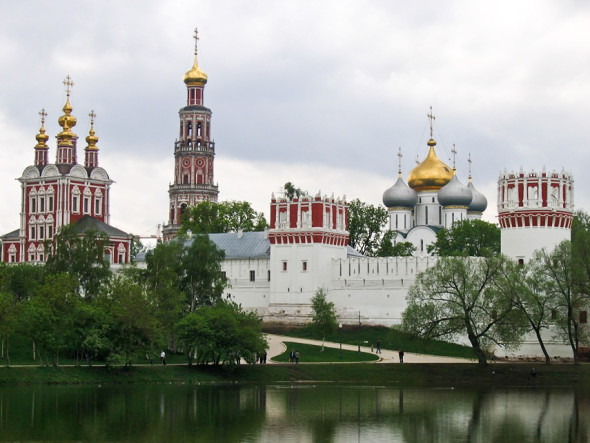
(277, 347)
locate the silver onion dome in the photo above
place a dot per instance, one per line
(479, 203)
(454, 194)
(400, 195)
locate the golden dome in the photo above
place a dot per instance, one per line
(42, 137)
(67, 117)
(431, 174)
(92, 139)
(195, 75)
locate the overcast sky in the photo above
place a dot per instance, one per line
(318, 93)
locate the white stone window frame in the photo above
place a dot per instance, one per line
(33, 201)
(50, 199)
(86, 202)
(121, 253)
(98, 202)
(12, 253)
(75, 200)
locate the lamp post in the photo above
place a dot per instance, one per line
(340, 329)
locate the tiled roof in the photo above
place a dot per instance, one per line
(244, 245)
(11, 235)
(90, 223)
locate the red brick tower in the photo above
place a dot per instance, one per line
(194, 152)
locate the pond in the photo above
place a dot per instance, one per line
(292, 413)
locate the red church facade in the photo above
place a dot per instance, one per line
(57, 194)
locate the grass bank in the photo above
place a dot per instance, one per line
(406, 375)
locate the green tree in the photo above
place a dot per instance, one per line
(221, 333)
(47, 317)
(323, 315)
(81, 254)
(580, 245)
(557, 270)
(400, 249)
(132, 323)
(527, 285)
(365, 224)
(8, 321)
(202, 280)
(458, 297)
(21, 280)
(228, 216)
(291, 191)
(467, 238)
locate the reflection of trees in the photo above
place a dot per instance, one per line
(308, 413)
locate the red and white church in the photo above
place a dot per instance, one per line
(57, 194)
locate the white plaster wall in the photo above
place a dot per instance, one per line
(520, 243)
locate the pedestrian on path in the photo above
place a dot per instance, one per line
(296, 357)
(163, 358)
(378, 346)
(401, 356)
(292, 356)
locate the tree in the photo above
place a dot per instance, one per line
(229, 216)
(457, 297)
(221, 333)
(47, 317)
(467, 238)
(132, 324)
(81, 254)
(291, 191)
(365, 224)
(323, 315)
(527, 285)
(559, 274)
(400, 249)
(8, 321)
(202, 280)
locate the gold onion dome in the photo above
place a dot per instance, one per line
(42, 137)
(430, 175)
(92, 139)
(195, 75)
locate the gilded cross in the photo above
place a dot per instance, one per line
(431, 117)
(68, 84)
(399, 156)
(43, 114)
(454, 151)
(92, 115)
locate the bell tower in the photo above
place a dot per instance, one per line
(194, 152)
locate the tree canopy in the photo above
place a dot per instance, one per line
(467, 238)
(366, 224)
(228, 216)
(459, 296)
(323, 315)
(82, 255)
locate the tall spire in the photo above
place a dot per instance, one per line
(195, 76)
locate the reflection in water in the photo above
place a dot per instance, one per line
(286, 413)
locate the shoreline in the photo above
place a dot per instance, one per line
(415, 375)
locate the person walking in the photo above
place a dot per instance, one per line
(163, 358)
(378, 346)
(401, 356)
(296, 357)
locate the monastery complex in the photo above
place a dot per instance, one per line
(278, 271)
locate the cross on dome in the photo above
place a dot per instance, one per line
(43, 114)
(92, 116)
(454, 151)
(431, 117)
(68, 84)
(399, 155)
(469, 161)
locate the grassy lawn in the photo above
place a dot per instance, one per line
(368, 336)
(314, 354)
